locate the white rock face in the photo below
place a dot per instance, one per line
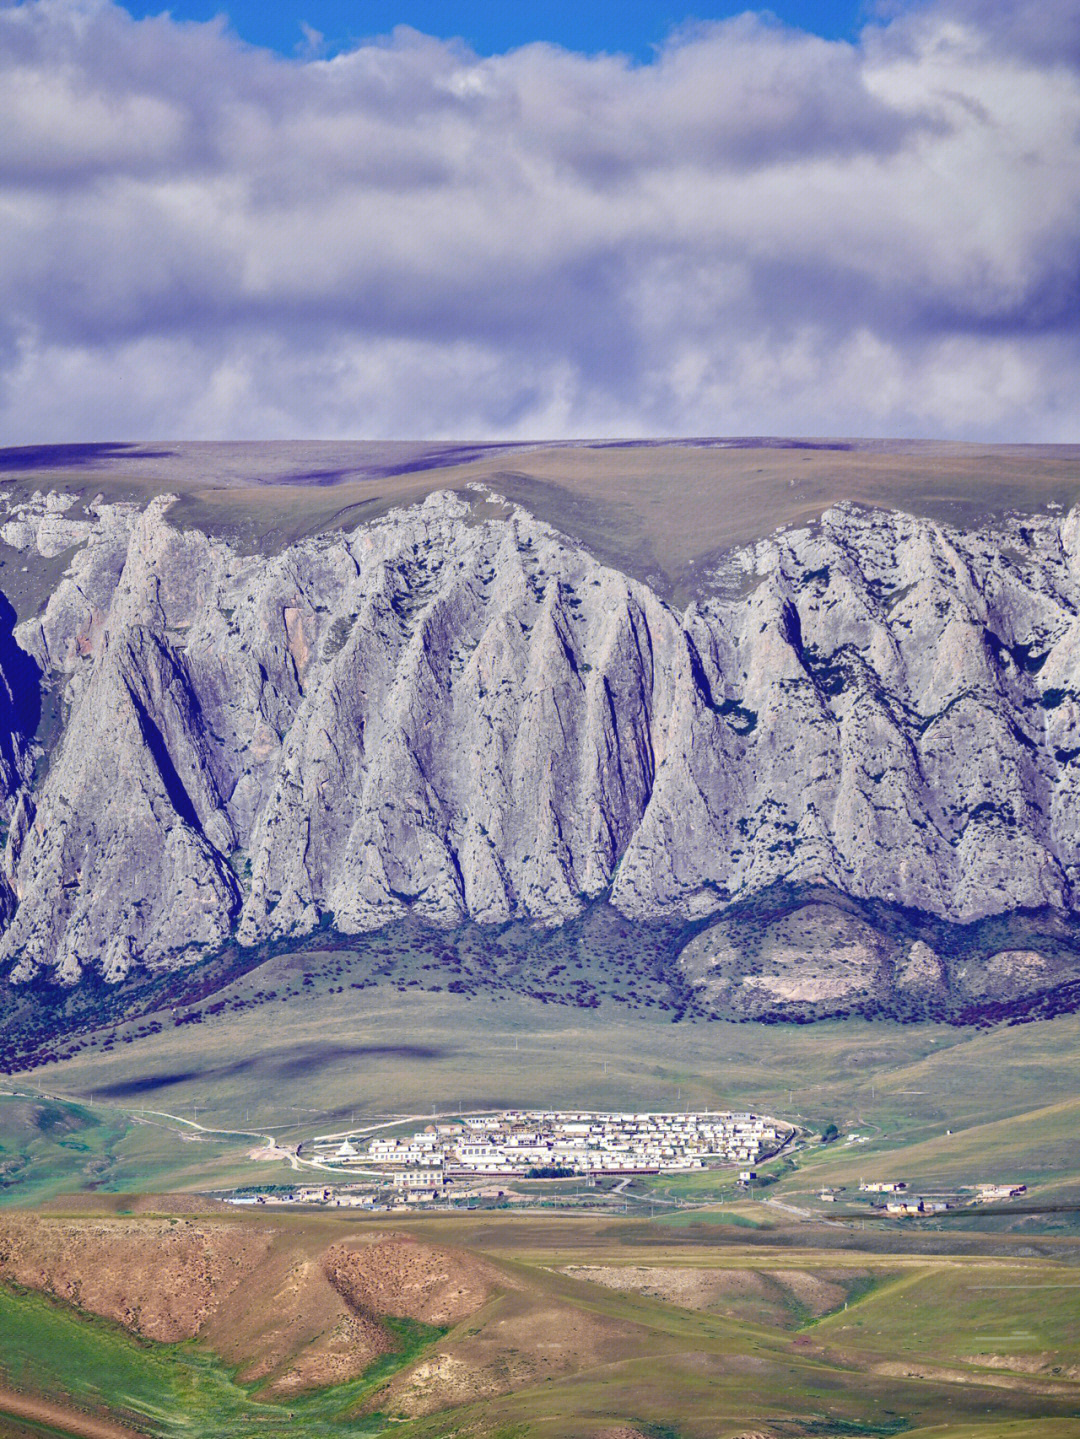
(465, 716)
(41, 524)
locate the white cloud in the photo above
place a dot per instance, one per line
(759, 232)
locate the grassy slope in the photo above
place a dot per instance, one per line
(657, 511)
(1037, 1147)
(104, 1147)
(180, 1391)
(390, 1049)
(325, 1056)
(944, 1297)
(679, 1373)
(967, 1313)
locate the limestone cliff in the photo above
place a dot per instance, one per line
(459, 712)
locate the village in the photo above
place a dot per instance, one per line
(528, 1157)
(447, 1156)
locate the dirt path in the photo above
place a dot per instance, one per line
(270, 1147)
(68, 1421)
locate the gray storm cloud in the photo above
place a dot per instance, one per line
(758, 232)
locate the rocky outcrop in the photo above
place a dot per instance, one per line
(455, 711)
(813, 956)
(825, 957)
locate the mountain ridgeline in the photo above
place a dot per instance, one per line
(457, 715)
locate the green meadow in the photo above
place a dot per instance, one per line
(934, 1104)
(175, 1391)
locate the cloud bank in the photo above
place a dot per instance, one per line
(759, 232)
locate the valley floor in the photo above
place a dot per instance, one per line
(192, 1106)
(698, 1313)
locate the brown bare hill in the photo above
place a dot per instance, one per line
(292, 1311)
(524, 1336)
(45, 1417)
(93, 1202)
(161, 1278)
(784, 1297)
(409, 1280)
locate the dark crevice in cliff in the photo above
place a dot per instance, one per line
(20, 677)
(174, 786)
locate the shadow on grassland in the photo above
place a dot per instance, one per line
(300, 1062)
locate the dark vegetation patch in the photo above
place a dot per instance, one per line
(600, 959)
(124, 1088)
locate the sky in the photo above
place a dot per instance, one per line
(377, 221)
(592, 26)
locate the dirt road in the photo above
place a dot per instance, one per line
(57, 1416)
